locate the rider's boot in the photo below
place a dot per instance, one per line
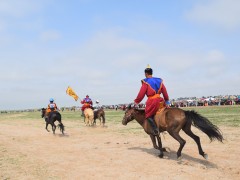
(153, 125)
(82, 114)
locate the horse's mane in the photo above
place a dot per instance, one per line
(141, 110)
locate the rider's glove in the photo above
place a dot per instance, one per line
(167, 103)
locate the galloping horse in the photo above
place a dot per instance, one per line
(88, 116)
(99, 114)
(52, 117)
(173, 120)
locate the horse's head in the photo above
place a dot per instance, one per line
(43, 112)
(129, 114)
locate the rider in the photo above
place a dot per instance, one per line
(87, 103)
(97, 106)
(52, 106)
(152, 87)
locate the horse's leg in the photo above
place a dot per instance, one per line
(84, 118)
(175, 135)
(86, 121)
(154, 141)
(160, 146)
(47, 122)
(53, 128)
(91, 120)
(103, 119)
(47, 126)
(62, 127)
(188, 131)
(153, 138)
(100, 119)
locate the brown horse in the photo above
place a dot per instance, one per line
(173, 120)
(99, 114)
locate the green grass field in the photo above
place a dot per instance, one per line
(219, 115)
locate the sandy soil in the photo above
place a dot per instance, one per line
(28, 151)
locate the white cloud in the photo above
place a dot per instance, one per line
(178, 62)
(109, 49)
(222, 13)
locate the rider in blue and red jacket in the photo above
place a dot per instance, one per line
(152, 87)
(87, 103)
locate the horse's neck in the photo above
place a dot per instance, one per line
(140, 119)
(143, 122)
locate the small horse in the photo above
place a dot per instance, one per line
(173, 120)
(52, 117)
(88, 116)
(99, 114)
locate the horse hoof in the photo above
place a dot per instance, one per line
(205, 156)
(160, 155)
(179, 158)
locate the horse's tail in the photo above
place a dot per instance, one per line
(62, 127)
(202, 123)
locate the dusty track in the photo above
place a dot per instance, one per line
(28, 151)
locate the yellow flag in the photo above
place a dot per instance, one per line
(70, 92)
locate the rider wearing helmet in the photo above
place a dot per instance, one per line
(97, 106)
(51, 106)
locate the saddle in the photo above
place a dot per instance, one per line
(162, 107)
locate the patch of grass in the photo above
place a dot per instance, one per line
(9, 116)
(220, 115)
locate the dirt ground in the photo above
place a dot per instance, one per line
(28, 151)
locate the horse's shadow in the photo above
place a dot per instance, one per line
(62, 135)
(172, 155)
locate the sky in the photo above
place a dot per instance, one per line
(100, 48)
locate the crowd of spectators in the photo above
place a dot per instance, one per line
(206, 101)
(193, 101)
(179, 102)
